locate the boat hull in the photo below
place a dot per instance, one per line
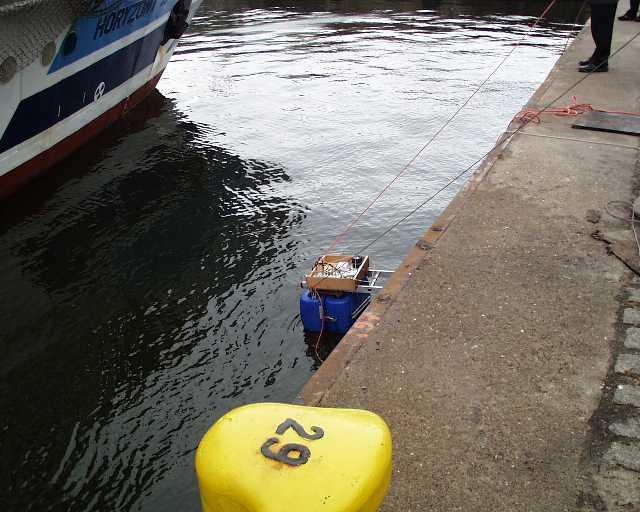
(14, 180)
(49, 112)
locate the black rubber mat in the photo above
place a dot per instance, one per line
(603, 121)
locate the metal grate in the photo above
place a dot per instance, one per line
(29, 28)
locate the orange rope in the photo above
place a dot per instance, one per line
(321, 311)
(531, 115)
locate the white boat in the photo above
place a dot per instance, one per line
(69, 68)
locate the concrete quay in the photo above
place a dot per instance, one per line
(504, 353)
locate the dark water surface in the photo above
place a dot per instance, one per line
(149, 282)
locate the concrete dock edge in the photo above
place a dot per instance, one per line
(504, 350)
(324, 378)
(357, 336)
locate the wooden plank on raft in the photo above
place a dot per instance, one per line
(318, 280)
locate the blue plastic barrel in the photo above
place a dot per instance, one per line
(310, 311)
(338, 311)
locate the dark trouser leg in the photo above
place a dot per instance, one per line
(633, 9)
(602, 19)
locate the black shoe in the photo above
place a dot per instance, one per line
(627, 16)
(592, 67)
(585, 62)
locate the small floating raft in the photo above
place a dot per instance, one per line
(337, 290)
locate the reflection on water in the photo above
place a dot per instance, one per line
(150, 281)
(141, 305)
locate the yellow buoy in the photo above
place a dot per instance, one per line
(289, 458)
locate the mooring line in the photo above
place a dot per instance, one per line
(415, 157)
(572, 139)
(576, 109)
(341, 235)
(505, 141)
(633, 220)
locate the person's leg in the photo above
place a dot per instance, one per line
(609, 19)
(595, 25)
(596, 30)
(602, 20)
(632, 12)
(595, 33)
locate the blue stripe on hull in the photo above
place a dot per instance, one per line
(50, 106)
(118, 19)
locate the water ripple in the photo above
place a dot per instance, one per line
(151, 281)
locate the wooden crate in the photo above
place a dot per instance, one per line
(344, 284)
